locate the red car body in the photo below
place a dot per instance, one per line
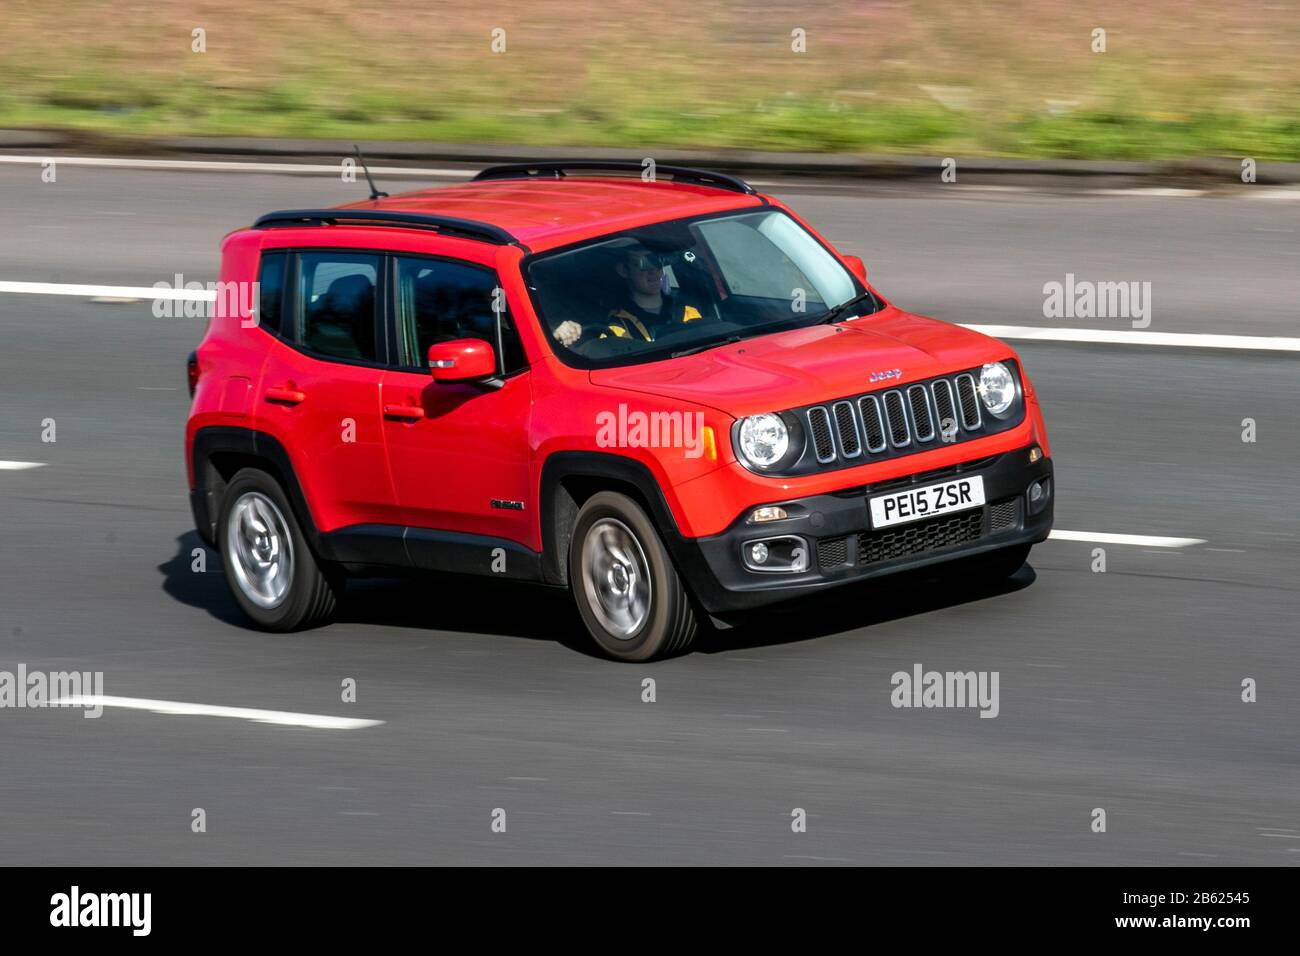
(483, 469)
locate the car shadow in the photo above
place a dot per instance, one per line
(474, 605)
(469, 605)
(444, 602)
(205, 588)
(859, 605)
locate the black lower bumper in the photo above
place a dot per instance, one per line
(842, 547)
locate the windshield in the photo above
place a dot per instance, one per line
(682, 286)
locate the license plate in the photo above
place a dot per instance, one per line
(917, 503)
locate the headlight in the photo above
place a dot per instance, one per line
(764, 440)
(997, 388)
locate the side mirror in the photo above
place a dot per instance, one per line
(857, 267)
(462, 360)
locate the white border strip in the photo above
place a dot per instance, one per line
(176, 708)
(1203, 340)
(1143, 540)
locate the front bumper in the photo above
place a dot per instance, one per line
(843, 547)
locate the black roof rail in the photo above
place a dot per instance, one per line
(448, 225)
(557, 169)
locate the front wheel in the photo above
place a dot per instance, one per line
(629, 594)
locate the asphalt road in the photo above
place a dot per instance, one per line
(1118, 690)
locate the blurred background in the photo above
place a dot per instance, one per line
(1177, 78)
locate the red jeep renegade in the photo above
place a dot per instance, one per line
(672, 397)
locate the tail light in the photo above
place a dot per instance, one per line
(192, 370)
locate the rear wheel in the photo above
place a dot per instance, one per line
(269, 565)
(629, 594)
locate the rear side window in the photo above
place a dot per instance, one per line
(270, 292)
(438, 301)
(336, 305)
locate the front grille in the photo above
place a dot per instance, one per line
(833, 554)
(847, 429)
(820, 424)
(923, 537)
(919, 400)
(943, 404)
(872, 426)
(899, 421)
(970, 406)
(1004, 515)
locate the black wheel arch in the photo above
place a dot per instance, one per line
(570, 477)
(218, 453)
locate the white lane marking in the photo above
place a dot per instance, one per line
(177, 708)
(1148, 191)
(229, 166)
(1280, 193)
(20, 465)
(1115, 337)
(114, 291)
(1105, 537)
(1203, 340)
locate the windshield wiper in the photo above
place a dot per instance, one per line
(843, 307)
(729, 340)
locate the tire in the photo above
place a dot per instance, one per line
(630, 596)
(300, 594)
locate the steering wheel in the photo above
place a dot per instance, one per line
(611, 345)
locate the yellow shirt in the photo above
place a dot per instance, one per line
(623, 324)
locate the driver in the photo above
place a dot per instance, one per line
(648, 310)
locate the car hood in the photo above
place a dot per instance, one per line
(803, 366)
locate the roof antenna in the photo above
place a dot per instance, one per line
(374, 190)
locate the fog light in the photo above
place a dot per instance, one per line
(1039, 492)
(1035, 453)
(768, 513)
(788, 553)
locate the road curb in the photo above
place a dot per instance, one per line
(835, 166)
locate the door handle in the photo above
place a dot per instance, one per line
(409, 412)
(285, 396)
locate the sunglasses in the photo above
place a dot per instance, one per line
(646, 263)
